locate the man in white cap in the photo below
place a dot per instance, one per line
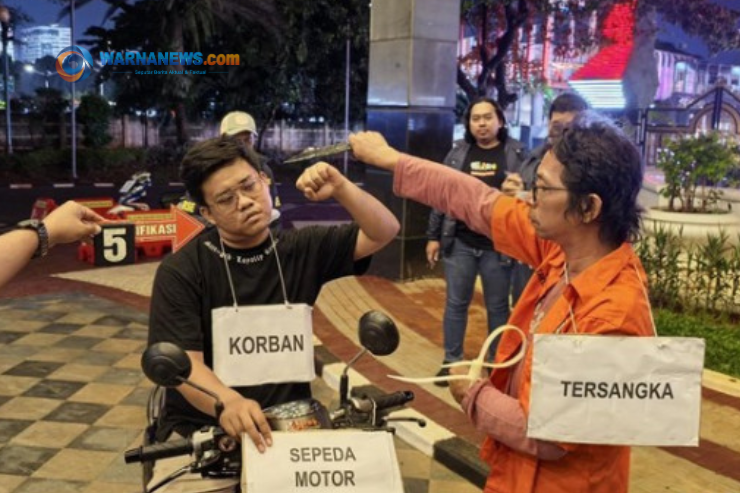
(240, 124)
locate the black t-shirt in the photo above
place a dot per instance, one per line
(192, 282)
(489, 166)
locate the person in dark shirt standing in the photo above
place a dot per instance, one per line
(489, 154)
(563, 110)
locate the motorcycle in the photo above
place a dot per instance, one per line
(218, 455)
(132, 193)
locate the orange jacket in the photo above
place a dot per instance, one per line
(606, 298)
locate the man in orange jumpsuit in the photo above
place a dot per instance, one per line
(576, 229)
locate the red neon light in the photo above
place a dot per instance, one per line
(619, 25)
(611, 61)
(608, 64)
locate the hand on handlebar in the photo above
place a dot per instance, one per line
(242, 415)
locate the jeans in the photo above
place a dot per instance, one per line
(462, 265)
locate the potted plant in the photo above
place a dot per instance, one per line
(694, 166)
(695, 169)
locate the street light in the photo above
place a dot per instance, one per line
(99, 64)
(5, 22)
(33, 70)
(74, 96)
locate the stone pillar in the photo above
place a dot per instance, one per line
(411, 101)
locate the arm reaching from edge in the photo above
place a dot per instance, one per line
(66, 224)
(454, 193)
(378, 225)
(72, 222)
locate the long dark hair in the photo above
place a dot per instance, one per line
(503, 132)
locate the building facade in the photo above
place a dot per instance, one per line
(40, 41)
(683, 76)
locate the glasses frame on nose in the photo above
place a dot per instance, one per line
(544, 188)
(228, 200)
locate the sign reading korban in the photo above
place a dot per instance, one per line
(616, 390)
(254, 345)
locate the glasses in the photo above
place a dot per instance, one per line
(227, 201)
(536, 189)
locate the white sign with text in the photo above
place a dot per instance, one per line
(323, 461)
(616, 390)
(255, 345)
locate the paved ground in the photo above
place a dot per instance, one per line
(71, 391)
(72, 394)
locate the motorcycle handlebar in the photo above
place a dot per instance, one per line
(157, 451)
(395, 399)
(186, 446)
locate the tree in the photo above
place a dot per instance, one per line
(694, 166)
(178, 26)
(298, 73)
(496, 24)
(94, 113)
(48, 114)
(302, 75)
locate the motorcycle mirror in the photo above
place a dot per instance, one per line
(166, 364)
(378, 333)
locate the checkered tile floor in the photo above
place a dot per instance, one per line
(71, 394)
(72, 399)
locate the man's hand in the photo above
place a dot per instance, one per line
(458, 388)
(320, 182)
(512, 184)
(72, 222)
(432, 253)
(371, 148)
(242, 415)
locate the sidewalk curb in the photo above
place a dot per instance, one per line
(433, 440)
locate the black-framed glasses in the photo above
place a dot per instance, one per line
(228, 200)
(536, 189)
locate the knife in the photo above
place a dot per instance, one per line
(319, 152)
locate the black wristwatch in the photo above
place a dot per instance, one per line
(40, 229)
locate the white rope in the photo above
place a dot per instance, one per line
(476, 365)
(228, 273)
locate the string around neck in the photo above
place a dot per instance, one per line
(280, 267)
(644, 292)
(228, 272)
(273, 245)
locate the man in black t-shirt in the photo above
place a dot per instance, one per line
(236, 263)
(489, 154)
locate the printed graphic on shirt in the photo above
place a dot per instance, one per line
(251, 259)
(483, 169)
